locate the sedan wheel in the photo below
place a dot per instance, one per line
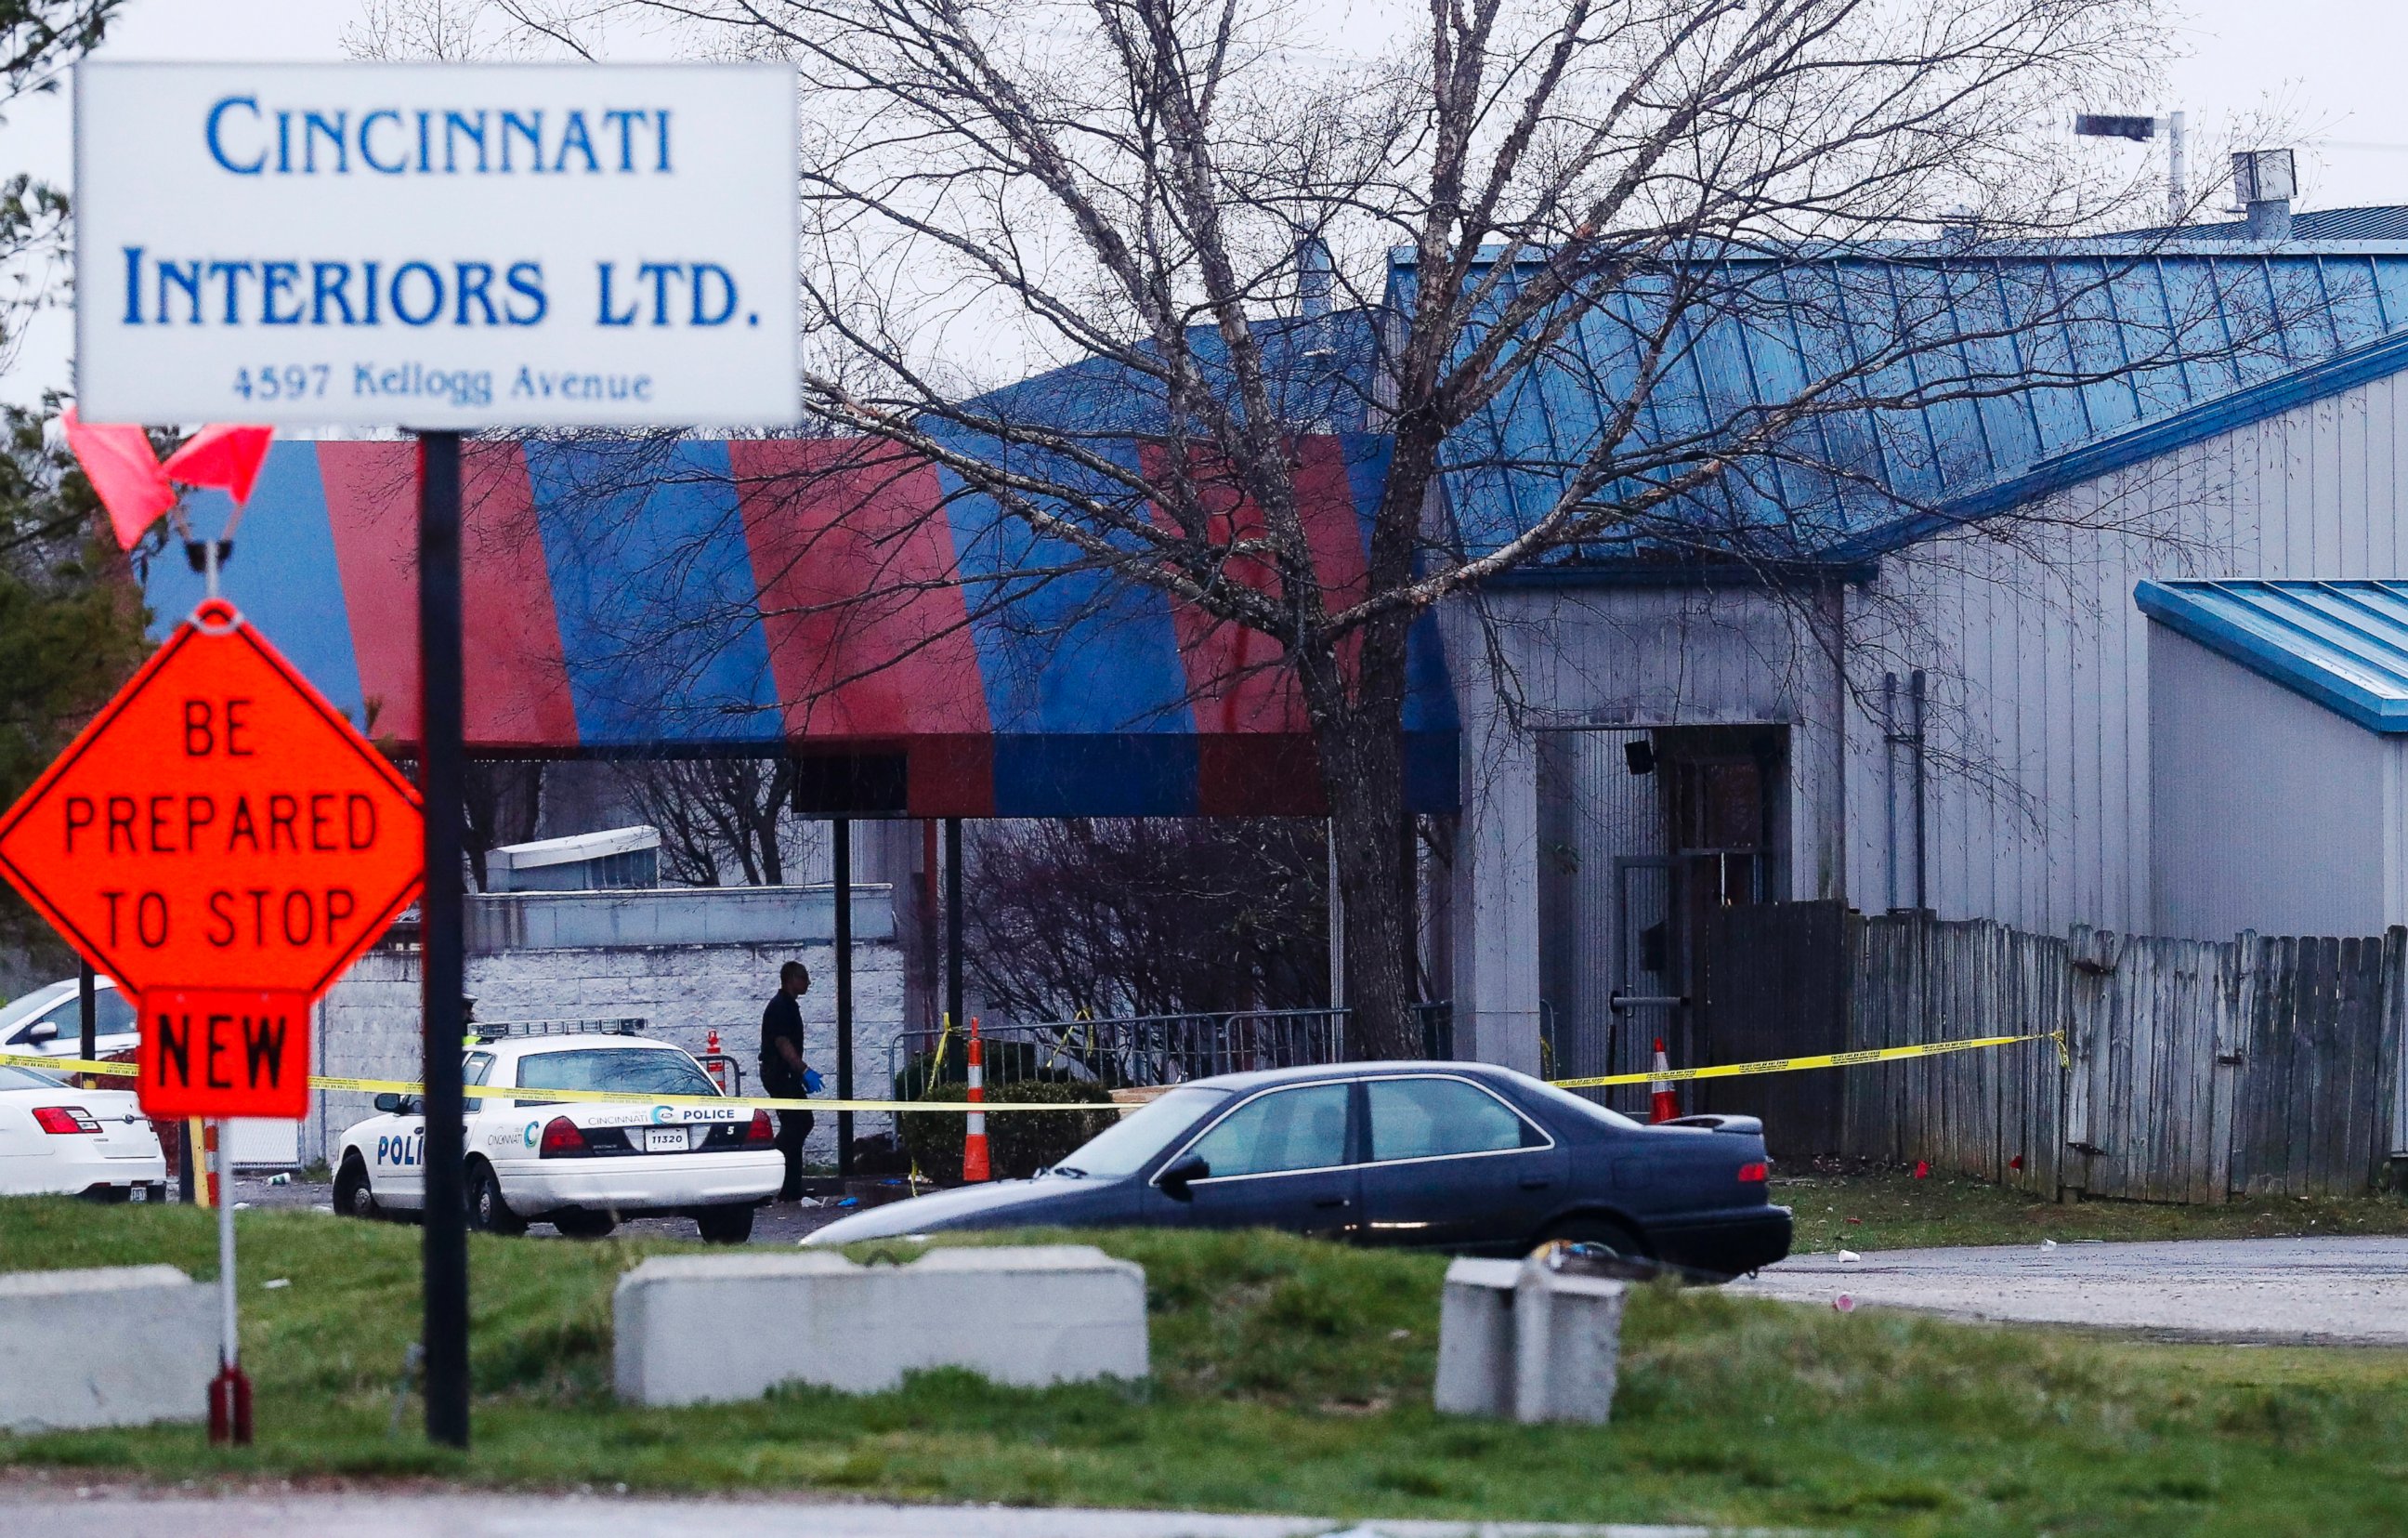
(725, 1225)
(353, 1197)
(1601, 1234)
(487, 1211)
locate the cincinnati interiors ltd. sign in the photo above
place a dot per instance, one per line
(435, 246)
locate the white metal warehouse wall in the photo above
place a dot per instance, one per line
(1527, 660)
(2271, 813)
(2039, 812)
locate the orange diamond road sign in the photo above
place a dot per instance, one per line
(224, 845)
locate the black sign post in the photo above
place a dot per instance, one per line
(87, 1010)
(840, 839)
(444, 1252)
(953, 926)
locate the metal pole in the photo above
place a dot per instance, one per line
(841, 841)
(88, 1009)
(954, 923)
(1337, 920)
(1914, 709)
(444, 1254)
(2177, 173)
(1889, 790)
(229, 1341)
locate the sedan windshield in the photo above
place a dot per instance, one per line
(1121, 1149)
(636, 1070)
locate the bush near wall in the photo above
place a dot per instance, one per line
(1000, 1060)
(1019, 1143)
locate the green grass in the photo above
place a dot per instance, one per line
(1890, 1210)
(1294, 1376)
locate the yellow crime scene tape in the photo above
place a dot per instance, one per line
(1726, 1070)
(1828, 1060)
(620, 1096)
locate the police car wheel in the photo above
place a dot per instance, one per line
(584, 1225)
(725, 1225)
(353, 1197)
(487, 1211)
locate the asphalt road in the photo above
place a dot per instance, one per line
(779, 1223)
(2338, 1291)
(61, 1510)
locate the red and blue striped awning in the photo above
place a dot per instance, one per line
(831, 598)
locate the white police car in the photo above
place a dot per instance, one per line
(578, 1165)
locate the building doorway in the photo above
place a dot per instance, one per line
(1643, 834)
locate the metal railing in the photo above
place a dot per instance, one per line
(1144, 1050)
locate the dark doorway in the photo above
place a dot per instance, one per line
(1645, 835)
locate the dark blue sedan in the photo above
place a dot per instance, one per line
(1465, 1157)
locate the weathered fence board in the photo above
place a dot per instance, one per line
(1776, 986)
(2190, 1070)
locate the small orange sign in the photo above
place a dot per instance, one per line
(224, 1053)
(219, 829)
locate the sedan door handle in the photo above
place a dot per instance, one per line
(1332, 1202)
(1536, 1183)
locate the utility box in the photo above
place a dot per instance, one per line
(1536, 1339)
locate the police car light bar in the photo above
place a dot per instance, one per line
(503, 1030)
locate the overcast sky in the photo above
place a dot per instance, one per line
(2329, 68)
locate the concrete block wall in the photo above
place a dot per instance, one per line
(368, 1025)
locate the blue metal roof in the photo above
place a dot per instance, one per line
(2379, 223)
(2029, 370)
(2344, 645)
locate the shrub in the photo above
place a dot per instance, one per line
(1025, 1141)
(933, 1139)
(1019, 1143)
(1002, 1060)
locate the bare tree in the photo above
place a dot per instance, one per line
(1244, 232)
(39, 41)
(718, 817)
(1148, 916)
(503, 803)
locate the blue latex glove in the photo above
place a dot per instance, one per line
(813, 1083)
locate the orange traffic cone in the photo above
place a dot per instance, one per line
(974, 1164)
(1666, 1106)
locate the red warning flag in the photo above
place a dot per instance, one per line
(123, 470)
(227, 456)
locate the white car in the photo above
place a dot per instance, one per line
(578, 1165)
(48, 1021)
(57, 1140)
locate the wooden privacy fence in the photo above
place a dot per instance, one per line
(2192, 1071)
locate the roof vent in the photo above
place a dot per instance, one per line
(2264, 183)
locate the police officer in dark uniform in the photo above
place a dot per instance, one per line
(782, 1069)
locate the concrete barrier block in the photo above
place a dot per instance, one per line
(1475, 1338)
(122, 1345)
(1566, 1343)
(698, 1329)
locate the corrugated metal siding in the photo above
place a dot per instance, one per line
(2039, 813)
(2268, 806)
(1592, 813)
(1675, 656)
